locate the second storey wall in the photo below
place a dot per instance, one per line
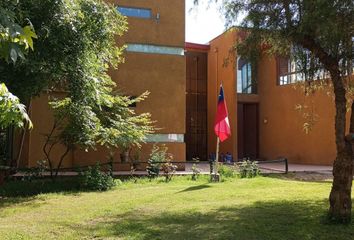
(281, 126)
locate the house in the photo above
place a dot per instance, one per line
(183, 80)
(263, 117)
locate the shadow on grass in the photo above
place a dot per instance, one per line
(15, 192)
(195, 188)
(35, 187)
(301, 177)
(259, 221)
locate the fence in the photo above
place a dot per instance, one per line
(139, 168)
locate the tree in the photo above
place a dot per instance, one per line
(76, 46)
(14, 43)
(114, 125)
(319, 34)
(12, 111)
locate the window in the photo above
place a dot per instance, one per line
(245, 83)
(146, 48)
(288, 72)
(135, 12)
(165, 138)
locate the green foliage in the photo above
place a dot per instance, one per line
(14, 43)
(92, 113)
(14, 39)
(284, 24)
(158, 156)
(95, 179)
(249, 169)
(36, 172)
(12, 111)
(121, 126)
(226, 171)
(168, 169)
(76, 47)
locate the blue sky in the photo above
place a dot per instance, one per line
(203, 23)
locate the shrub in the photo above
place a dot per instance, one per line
(249, 169)
(95, 179)
(226, 171)
(36, 172)
(169, 170)
(195, 172)
(158, 156)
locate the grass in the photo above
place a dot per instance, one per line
(261, 208)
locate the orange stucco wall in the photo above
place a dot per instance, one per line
(219, 72)
(168, 30)
(280, 125)
(162, 75)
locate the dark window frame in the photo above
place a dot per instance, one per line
(247, 84)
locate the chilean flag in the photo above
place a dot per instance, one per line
(222, 125)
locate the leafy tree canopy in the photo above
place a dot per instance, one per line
(76, 46)
(14, 43)
(12, 111)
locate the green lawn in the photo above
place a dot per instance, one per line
(261, 208)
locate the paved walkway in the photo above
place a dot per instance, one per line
(296, 167)
(205, 169)
(275, 167)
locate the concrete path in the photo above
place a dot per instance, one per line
(274, 167)
(205, 169)
(280, 167)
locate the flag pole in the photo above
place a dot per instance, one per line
(217, 156)
(215, 177)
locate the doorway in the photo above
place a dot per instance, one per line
(248, 138)
(196, 109)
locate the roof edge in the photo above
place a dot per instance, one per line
(196, 46)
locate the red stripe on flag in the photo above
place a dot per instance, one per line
(222, 125)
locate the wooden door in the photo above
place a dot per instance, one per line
(247, 130)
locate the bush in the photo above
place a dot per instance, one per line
(158, 156)
(227, 171)
(95, 179)
(195, 172)
(249, 169)
(169, 170)
(36, 172)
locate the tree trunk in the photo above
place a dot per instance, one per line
(68, 148)
(340, 196)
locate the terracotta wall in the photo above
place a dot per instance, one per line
(162, 75)
(169, 30)
(42, 118)
(281, 126)
(219, 71)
